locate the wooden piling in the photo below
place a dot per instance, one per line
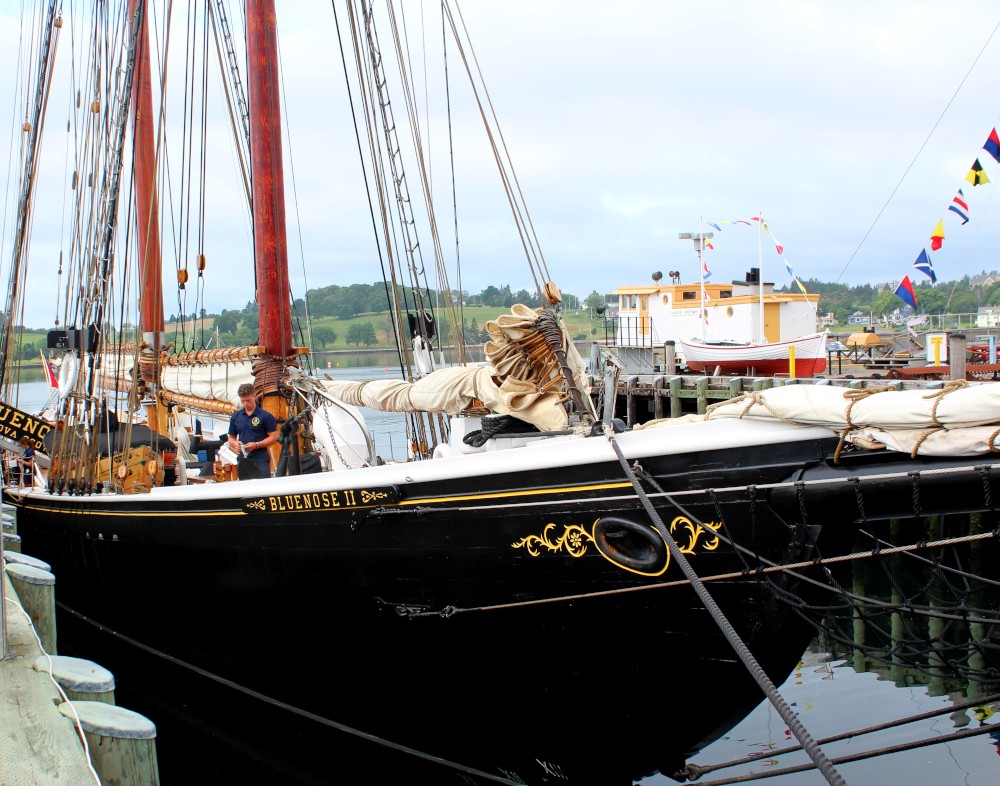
(676, 385)
(122, 743)
(24, 559)
(658, 383)
(956, 355)
(81, 680)
(11, 542)
(630, 385)
(36, 589)
(701, 394)
(670, 357)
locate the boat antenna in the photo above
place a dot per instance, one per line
(699, 239)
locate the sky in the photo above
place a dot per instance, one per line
(849, 126)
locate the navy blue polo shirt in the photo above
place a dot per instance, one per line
(255, 428)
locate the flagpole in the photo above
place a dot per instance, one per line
(760, 271)
(701, 273)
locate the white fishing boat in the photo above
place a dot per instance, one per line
(804, 356)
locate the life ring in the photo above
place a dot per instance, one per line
(68, 371)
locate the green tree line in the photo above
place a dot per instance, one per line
(964, 296)
(358, 315)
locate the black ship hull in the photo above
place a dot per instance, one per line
(523, 618)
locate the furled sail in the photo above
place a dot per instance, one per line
(207, 379)
(525, 378)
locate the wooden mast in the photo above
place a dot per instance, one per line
(270, 249)
(147, 222)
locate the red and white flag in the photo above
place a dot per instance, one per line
(49, 375)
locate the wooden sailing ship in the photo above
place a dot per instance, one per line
(526, 582)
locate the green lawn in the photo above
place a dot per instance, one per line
(577, 323)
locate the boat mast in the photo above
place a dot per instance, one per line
(33, 126)
(147, 223)
(267, 175)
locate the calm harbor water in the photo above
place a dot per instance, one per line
(829, 693)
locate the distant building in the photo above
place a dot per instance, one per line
(826, 321)
(985, 279)
(988, 316)
(859, 318)
(650, 314)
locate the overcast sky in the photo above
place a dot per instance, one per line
(849, 125)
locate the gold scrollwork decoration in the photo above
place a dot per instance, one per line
(695, 531)
(575, 538)
(573, 541)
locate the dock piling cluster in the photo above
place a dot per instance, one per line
(52, 702)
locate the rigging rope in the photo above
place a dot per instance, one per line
(815, 753)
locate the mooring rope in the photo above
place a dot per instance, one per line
(870, 754)
(353, 731)
(694, 771)
(815, 753)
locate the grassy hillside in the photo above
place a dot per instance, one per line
(577, 323)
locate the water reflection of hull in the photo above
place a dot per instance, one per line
(922, 606)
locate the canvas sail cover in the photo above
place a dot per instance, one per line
(524, 379)
(211, 381)
(958, 419)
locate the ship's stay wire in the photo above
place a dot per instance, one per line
(919, 151)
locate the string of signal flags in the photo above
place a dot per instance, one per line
(706, 273)
(960, 207)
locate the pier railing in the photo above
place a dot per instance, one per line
(631, 332)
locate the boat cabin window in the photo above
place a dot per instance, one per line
(689, 294)
(725, 293)
(666, 300)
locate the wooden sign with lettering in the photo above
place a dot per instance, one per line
(323, 500)
(15, 424)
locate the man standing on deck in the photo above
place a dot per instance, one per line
(251, 430)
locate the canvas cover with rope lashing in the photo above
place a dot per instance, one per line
(532, 372)
(959, 419)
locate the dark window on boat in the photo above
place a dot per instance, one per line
(725, 293)
(689, 294)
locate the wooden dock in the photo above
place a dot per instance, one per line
(38, 746)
